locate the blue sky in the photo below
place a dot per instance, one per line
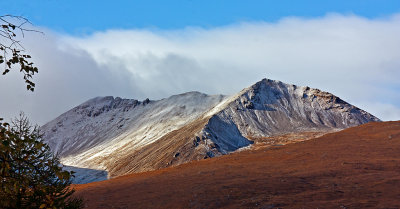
(87, 16)
(155, 49)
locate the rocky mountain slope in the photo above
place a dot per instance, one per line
(354, 168)
(125, 136)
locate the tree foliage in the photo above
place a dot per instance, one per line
(31, 176)
(11, 50)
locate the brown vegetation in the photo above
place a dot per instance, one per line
(174, 148)
(355, 168)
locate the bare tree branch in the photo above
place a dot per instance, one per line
(12, 28)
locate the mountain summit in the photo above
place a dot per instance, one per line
(125, 136)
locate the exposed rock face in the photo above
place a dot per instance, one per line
(272, 107)
(124, 136)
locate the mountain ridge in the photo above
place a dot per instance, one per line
(125, 136)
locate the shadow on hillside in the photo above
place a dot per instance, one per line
(86, 175)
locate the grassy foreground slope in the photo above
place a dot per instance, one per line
(355, 168)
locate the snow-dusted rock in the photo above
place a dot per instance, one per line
(123, 136)
(98, 132)
(271, 107)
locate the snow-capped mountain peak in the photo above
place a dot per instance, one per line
(124, 135)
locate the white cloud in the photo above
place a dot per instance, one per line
(390, 111)
(355, 58)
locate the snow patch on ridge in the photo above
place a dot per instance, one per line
(100, 131)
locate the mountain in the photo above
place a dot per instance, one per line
(126, 136)
(354, 168)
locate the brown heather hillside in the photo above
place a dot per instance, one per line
(355, 168)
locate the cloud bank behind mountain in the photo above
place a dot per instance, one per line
(355, 58)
